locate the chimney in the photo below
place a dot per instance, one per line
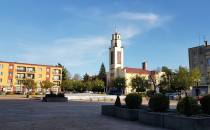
(206, 43)
(144, 65)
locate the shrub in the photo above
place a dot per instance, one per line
(55, 95)
(117, 102)
(205, 104)
(188, 106)
(60, 95)
(159, 103)
(150, 93)
(133, 100)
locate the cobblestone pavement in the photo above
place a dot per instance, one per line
(37, 115)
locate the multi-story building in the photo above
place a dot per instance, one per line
(199, 57)
(12, 75)
(117, 69)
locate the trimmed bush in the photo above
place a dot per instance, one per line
(188, 106)
(159, 103)
(55, 95)
(150, 93)
(205, 104)
(117, 102)
(133, 100)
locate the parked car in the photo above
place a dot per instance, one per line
(172, 96)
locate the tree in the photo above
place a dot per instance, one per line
(86, 77)
(29, 84)
(140, 84)
(185, 78)
(67, 85)
(119, 83)
(166, 79)
(46, 84)
(102, 73)
(65, 72)
(97, 85)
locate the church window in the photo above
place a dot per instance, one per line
(112, 57)
(118, 57)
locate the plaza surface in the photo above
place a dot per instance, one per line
(29, 114)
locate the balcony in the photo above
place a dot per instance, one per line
(30, 69)
(56, 72)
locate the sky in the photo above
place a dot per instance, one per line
(77, 33)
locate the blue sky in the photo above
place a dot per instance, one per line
(77, 33)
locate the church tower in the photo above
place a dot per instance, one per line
(115, 56)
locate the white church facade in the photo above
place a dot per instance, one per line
(117, 69)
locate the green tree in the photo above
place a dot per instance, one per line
(46, 84)
(119, 83)
(67, 85)
(185, 78)
(97, 85)
(29, 84)
(65, 72)
(86, 77)
(140, 84)
(166, 79)
(102, 73)
(79, 86)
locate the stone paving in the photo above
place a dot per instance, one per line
(36, 115)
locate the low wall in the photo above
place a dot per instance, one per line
(93, 97)
(120, 112)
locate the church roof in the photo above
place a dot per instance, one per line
(138, 71)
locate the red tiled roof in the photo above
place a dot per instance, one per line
(138, 71)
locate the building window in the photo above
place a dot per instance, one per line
(10, 73)
(1, 73)
(1, 66)
(47, 75)
(112, 57)
(10, 67)
(118, 57)
(0, 80)
(20, 76)
(21, 69)
(48, 70)
(40, 69)
(30, 69)
(9, 81)
(40, 76)
(208, 61)
(56, 77)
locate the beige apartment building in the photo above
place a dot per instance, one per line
(12, 75)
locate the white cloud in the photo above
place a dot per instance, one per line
(129, 32)
(148, 17)
(72, 52)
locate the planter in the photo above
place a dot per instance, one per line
(108, 110)
(120, 112)
(151, 118)
(179, 122)
(55, 99)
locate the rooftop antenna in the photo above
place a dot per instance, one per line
(115, 28)
(199, 39)
(204, 37)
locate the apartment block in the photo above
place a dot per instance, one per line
(199, 57)
(12, 75)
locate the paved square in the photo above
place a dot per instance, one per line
(37, 115)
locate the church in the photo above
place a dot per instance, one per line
(117, 69)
